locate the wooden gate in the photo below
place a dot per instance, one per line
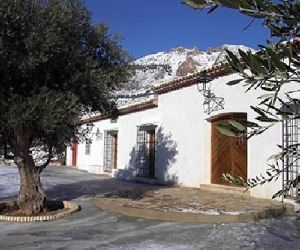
(228, 154)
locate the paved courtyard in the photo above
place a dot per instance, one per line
(93, 228)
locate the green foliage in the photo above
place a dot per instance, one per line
(274, 67)
(55, 65)
(233, 128)
(235, 180)
(49, 115)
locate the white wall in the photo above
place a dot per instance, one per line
(184, 138)
(127, 130)
(182, 117)
(259, 147)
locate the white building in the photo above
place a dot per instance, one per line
(171, 137)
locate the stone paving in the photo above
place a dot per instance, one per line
(93, 228)
(191, 200)
(138, 201)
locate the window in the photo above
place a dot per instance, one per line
(291, 161)
(146, 145)
(88, 147)
(110, 151)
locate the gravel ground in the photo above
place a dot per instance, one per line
(93, 228)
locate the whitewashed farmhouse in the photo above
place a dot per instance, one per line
(171, 137)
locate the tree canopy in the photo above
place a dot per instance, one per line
(55, 65)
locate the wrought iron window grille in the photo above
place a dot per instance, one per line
(291, 159)
(88, 146)
(110, 150)
(146, 148)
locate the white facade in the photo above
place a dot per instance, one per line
(183, 138)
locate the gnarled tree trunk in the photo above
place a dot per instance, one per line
(31, 199)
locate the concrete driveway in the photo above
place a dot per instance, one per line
(93, 228)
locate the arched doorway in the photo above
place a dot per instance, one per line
(228, 154)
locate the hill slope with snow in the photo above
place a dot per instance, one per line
(179, 61)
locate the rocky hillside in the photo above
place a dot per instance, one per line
(179, 62)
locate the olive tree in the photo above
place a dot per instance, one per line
(55, 65)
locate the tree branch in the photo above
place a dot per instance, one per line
(50, 156)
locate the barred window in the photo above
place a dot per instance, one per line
(110, 150)
(291, 160)
(146, 145)
(88, 147)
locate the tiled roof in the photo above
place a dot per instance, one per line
(153, 103)
(185, 81)
(219, 70)
(212, 73)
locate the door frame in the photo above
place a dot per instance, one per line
(146, 151)
(115, 150)
(221, 117)
(110, 153)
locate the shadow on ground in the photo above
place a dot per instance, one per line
(63, 183)
(164, 157)
(91, 188)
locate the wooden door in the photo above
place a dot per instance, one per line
(74, 154)
(228, 154)
(151, 135)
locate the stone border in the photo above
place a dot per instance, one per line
(73, 207)
(115, 207)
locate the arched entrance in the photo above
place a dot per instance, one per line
(228, 154)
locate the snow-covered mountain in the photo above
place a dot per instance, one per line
(161, 67)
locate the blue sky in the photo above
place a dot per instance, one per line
(149, 26)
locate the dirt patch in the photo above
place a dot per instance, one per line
(133, 194)
(55, 210)
(53, 207)
(188, 204)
